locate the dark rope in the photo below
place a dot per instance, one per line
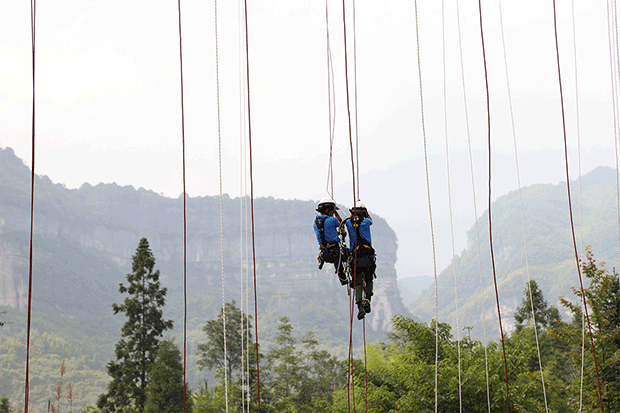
(247, 56)
(570, 207)
(184, 222)
(499, 314)
(365, 363)
(346, 74)
(33, 13)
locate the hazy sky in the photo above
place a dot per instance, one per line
(108, 100)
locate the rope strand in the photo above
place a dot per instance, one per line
(357, 146)
(570, 208)
(346, 74)
(473, 187)
(527, 265)
(184, 221)
(583, 321)
(33, 11)
(499, 314)
(247, 58)
(430, 211)
(445, 116)
(219, 139)
(331, 103)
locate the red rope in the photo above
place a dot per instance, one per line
(365, 363)
(351, 306)
(184, 222)
(346, 74)
(570, 207)
(499, 314)
(33, 11)
(247, 59)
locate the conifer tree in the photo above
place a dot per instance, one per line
(5, 407)
(165, 390)
(545, 314)
(141, 334)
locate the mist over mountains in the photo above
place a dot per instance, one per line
(84, 240)
(550, 252)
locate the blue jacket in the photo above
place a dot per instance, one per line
(330, 229)
(364, 231)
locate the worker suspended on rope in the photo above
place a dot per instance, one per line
(362, 257)
(326, 227)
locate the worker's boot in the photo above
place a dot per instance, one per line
(366, 305)
(360, 310)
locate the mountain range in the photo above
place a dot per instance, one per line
(84, 240)
(550, 252)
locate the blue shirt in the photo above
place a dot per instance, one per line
(364, 231)
(330, 229)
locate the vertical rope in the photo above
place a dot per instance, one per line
(499, 315)
(445, 118)
(247, 58)
(583, 321)
(473, 187)
(527, 265)
(241, 295)
(357, 146)
(365, 361)
(617, 115)
(430, 211)
(570, 208)
(184, 221)
(219, 138)
(33, 13)
(346, 74)
(331, 98)
(245, 375)
(349, 375)
(247, 298)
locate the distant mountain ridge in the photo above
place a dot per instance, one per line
(84, 240)
(549, 245)
(103, 223)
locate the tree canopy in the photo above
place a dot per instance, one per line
(141, 334)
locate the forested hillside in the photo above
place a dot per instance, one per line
(549, 245)
(83, 243)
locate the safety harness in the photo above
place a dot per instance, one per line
(363, 247)
(327, 248)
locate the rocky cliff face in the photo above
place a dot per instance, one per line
(84, 240)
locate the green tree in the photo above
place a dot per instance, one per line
(165, 392)
(544, 314)
(603, 299)
(213, 399)
(141, 334)
(324, 373)
(211, 353)
(5, 406)
(284, 370)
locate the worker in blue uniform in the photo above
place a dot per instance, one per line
(362, 256)
(326, 227)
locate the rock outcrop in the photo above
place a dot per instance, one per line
(84, 240)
